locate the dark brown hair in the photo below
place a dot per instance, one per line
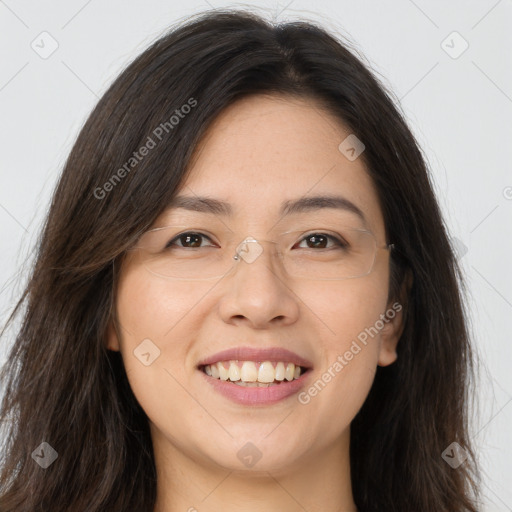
(62, 385)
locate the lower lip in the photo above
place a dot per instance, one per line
(255, 395)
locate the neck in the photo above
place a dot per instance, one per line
(320, 480)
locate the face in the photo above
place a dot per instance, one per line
(261, 152)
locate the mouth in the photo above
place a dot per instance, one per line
(250, 376)
(262, 374)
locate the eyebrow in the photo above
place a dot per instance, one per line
(302, 205)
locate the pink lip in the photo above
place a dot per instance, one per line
(257, 354)
(256, 395)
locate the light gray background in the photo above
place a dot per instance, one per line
(460, 109)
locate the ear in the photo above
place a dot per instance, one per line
(112, 338)
(394, 323)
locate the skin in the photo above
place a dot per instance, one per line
(259, 152)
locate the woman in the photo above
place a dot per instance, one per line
(244, 295)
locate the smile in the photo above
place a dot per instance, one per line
(254, 374)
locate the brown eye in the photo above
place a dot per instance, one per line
(320, 240)
(188, 240)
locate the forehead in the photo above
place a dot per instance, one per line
(264, 152)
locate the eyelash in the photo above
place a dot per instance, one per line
(337, 241)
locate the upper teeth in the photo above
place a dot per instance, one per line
(249, 371)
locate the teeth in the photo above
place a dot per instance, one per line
(280, 371)
(251, 374)
(266, 373)
(223, 372)
(290, 370)
(254, 384)
(234, 371)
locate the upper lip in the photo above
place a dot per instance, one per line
(256, 354)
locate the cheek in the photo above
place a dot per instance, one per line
(348, 313)
(343, 310)
(161, 312)
(155, 338)
(150, 308)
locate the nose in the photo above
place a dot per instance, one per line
(257, 290)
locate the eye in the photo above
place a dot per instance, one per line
(189, 239)
(319, 240)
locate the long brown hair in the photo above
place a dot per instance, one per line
(63, 387)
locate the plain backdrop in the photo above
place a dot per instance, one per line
(448, 63)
